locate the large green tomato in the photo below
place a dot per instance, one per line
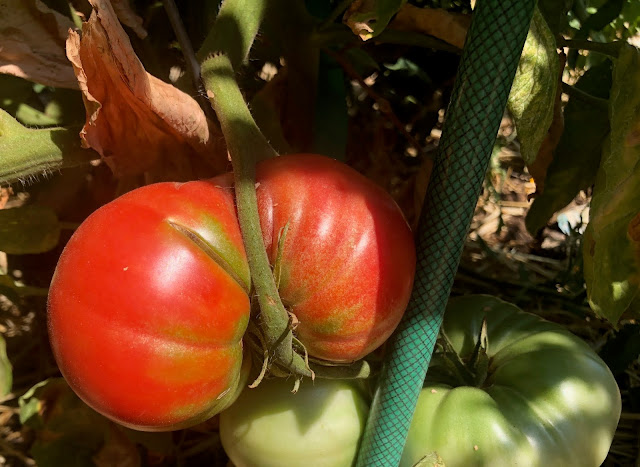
(319, 426)
(547, 398)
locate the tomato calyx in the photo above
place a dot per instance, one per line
(360, 369)
(451, 368)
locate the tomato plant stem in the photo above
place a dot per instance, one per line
(246, 144)
(223, 51)
(235, 29)
(193, 65)
(226, 48)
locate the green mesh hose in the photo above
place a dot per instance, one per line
(487, 68)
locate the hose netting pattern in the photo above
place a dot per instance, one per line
(485, 74)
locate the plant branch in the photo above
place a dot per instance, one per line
(246, 145)
(576, 93)
(235, 29)
(193, 65)
(341, 35)
(361, 369)
(612, 49)
(227, 49)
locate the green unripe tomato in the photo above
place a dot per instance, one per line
(547, 398)
(320, 425)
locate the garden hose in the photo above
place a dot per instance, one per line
(489, 60)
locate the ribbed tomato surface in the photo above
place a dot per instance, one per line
(348, 259)
(148, 306)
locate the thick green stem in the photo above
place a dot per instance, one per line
(356, 370)
(226, 49)
(235, 29)
(246, 144)
(227, 46)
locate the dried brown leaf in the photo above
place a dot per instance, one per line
(125, 13)
(5, 194)
(135, 121)
(32, 38)
(128, 17)
(445, 25)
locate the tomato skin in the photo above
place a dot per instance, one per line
(149, 301)
(549, 400)
(144, 324)
(349, 257)
(320, 425)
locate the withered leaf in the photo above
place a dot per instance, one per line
(32, 38)
(368, 18)
(135, 121)
(128, 17)
(124, 11)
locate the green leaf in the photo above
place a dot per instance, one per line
(371, 17)
(68, 432)
(28, 229)
(13, 290)
(605, 15)
(612, 239)
(51, 106)
(28, 152)
(555, 13)
(362, 61)
(577, 157)
(533, 93)
(5, 369)
(622, 349)
(409, 68)
(14, 91)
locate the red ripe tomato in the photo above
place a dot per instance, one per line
(348, 260)
(149, 301)
(148, 306)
